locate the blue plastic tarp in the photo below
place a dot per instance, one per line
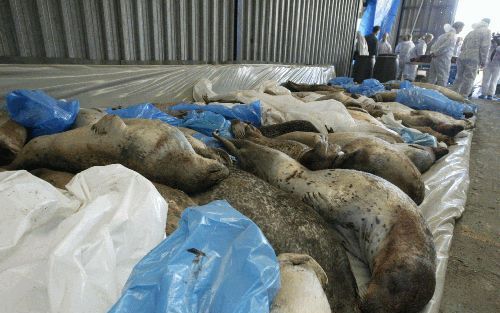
(217, 261)
(40, 113)
(427, 99)
(145, 111)
(206, 123)
(368, 87)
(379, 13)
(249, 113)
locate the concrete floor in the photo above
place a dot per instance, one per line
(473, 275)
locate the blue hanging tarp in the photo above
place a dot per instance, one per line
(379, 13)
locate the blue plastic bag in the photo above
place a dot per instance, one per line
(40, 113)
(368, 88)
(145, 111)
(206, 123)
(344, 82)
(217, 261)
(250, 113)
(427, 99)
(208, 140)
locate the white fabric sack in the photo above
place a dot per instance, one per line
(72, 251)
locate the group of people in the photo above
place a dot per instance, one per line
(476, 51)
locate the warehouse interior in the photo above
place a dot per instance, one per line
(249, 156)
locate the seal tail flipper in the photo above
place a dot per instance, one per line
(439, 152)
(230, 147)
(238, 129)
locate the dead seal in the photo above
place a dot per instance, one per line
(290, 226)
(367, 153)
(302, 284)
(176, 199)
(439, 122)
(156, 150)
(271, 131)
(12, 138)
(88, 117)
(320, 155)
(422, 157)
(379, 224)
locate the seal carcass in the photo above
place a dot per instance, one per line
(378, 222)
(302, 283)
(275, 130)
(152, 148)
(12, 138)
(320, 155)
(290, 226)
(422, 157)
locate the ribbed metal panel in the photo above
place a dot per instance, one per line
(158, 31)
(296, 31)
(433, 15)
(118, 30)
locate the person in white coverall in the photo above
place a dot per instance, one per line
(410, 70)
(491, 73)
(473, 55)
(441, 52)
(403, 50)
(384, 47)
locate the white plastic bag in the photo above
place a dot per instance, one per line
(72, 251)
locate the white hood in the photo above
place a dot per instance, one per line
(480, 25)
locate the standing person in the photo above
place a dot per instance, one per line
(361, 45)
(372, 41)
(410, 71)
(384, 47)
(403, 50)
(473, 55)
(441, 52)
(491, 73)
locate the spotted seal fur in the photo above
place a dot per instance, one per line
(422, 157)
(379, 223)
(152, 148)
(271, 131)
(319, 155)
(290, 226)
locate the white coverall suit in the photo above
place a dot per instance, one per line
(442, 51)
(410, 70)
(491, 73)
(403, 51)
(474, 54)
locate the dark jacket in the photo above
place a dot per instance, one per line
(372, 42)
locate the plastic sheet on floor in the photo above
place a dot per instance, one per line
(106, 86)
(446, 184)
(73, 250)
(216, 261)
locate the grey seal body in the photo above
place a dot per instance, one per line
(367, 153)
(379, 224)
(152, 148)
(422, 157)
(275, 130)
(290, 226)
(12, 138)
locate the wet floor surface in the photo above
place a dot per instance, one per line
(473, 276)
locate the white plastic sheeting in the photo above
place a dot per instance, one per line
(72, 251)
(103, 86)
(446, 185)
(112, 85)
(280, 106)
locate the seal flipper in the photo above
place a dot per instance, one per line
(230, 147)
(108, 124)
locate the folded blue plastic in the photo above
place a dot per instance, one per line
(145, 111)
(250, 113)
(40, 113)
(217, 261)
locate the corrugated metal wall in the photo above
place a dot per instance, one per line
(433, 15)
(297, 31)
(163, 31)
(118, 30)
